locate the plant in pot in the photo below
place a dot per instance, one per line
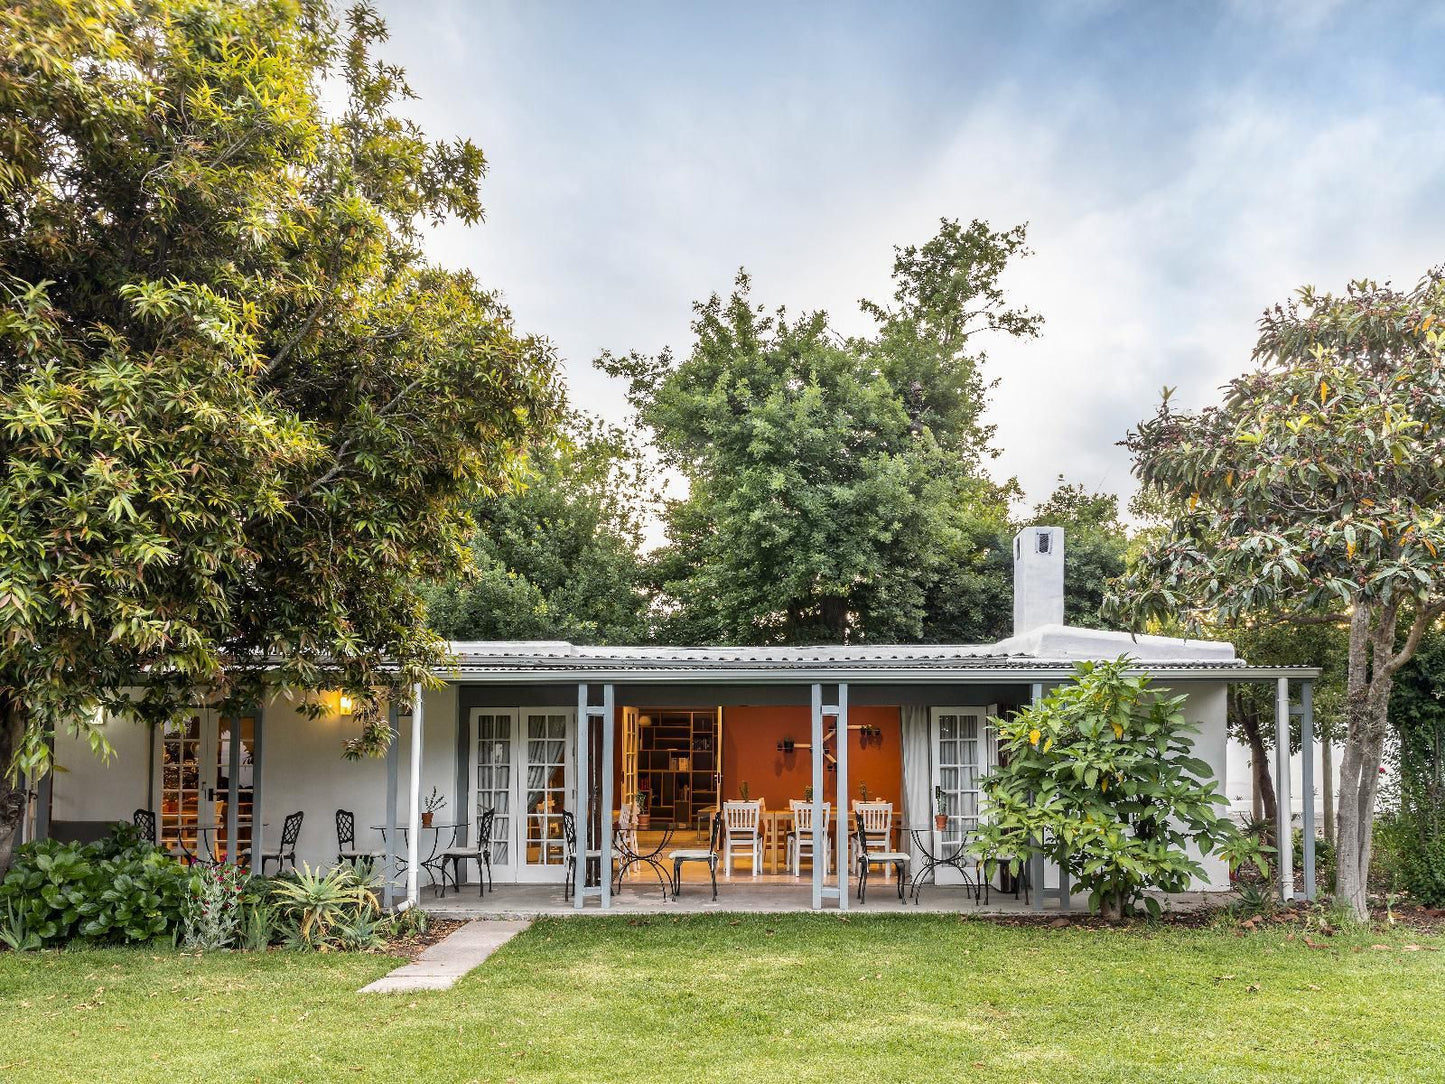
(433, 801)
(940, 818)
(743, 790)
(863, 791)
(642, 800)
(808, 793)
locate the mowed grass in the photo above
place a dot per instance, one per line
(753, 998)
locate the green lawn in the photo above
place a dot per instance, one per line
(755, 998)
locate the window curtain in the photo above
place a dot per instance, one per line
(917, 750)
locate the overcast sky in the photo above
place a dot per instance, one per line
(1180, 167)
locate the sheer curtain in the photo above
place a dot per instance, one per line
(917, 750)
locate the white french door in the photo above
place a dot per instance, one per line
(495, 734)
(194, 772)
(525, 761)
(548, 736)
(960, 756)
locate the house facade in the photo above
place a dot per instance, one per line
(523, 735)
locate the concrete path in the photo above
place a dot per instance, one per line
(439, 966)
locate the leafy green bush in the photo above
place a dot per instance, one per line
(120, 889)
(1423, 871)
(212, 917)
(1395, 838)
(328, 910)
(1324, 858)
(1100, 778)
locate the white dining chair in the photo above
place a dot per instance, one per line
(742, 831)
(800, 839)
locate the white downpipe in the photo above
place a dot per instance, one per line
(413, 809)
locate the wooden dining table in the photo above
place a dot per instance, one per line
(777, 823)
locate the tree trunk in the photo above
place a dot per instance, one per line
(1258, 756)
(12, 788)
(1373, 662)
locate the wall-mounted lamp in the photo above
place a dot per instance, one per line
(343, 704)
(644, 720)
(787, 746)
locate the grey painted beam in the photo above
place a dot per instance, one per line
(413, 812)
(1307, 782)
(609, 737)
(580, 816)
(1284, 823)
(820, 829)
(841, 720)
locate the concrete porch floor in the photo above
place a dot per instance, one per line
(766, 895)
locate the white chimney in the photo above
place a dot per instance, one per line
(1038, 578)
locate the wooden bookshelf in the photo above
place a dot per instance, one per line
(677, 761)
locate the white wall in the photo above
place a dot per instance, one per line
(1241, 779)
(87, 788)
(1207, 707)
(302, 769)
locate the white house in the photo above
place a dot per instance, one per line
(689, 727)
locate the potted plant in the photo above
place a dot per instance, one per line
(808, 793)
(644, 819)
(863, 791)
(743, 790)
(940, 818)
(433, 801)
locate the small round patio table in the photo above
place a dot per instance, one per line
(936, 852)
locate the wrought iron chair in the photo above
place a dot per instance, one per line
(799, 843)
(286, 851)
(569, 841)
(869, 853)
(481, 852)
(346, 849)
(698, 854)
(145, 820)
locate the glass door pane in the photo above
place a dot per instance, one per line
(545, 794)
(494, 780)
(244, 731)
(959, 743)
(181, 784)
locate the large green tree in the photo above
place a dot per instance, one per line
(559, 558)
(1315, 491)
(832, 482)
(240, 415)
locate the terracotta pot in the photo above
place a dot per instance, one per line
(426, 820)
(644, 821)
(940, 821)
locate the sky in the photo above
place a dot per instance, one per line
(1180, 167)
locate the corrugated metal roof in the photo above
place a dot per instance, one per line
(557, 660)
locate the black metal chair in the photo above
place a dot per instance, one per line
(867, 859)
(697, 854)
(346, 849)
(594, 857)
(481, 853)
(145, 820)
(286, 852)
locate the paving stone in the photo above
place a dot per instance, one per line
(439, 966)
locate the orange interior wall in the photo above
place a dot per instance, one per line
(750, 752)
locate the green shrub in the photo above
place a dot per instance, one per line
(1100, 777)
(212, 916)
(1324, 858)
(317, 910)
(119, 890)
(1423, 871)
(1395, 839)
